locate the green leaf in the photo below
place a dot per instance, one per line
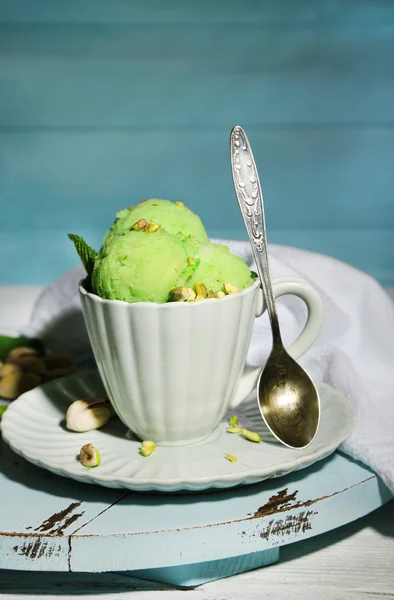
(85, 252)
(8, 343)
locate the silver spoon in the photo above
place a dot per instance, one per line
(287, 397)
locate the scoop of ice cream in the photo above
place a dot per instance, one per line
(217, 267)
(141, 267)
(173, 217)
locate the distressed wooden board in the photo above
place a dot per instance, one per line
(196, 528)
(55, 523)
(107, 76)
(39, 510)
(349, 563)
(204, 12)
(49, 169)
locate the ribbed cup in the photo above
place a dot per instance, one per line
(171, 370)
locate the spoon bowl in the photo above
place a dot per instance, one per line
(287, 397)
(288, 400)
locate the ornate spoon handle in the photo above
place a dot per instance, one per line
(250, 200)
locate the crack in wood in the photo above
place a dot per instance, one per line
(283, 501)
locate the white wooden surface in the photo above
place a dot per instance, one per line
(353, 562)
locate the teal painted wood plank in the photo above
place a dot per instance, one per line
(39, 511)
(219, 525)
(38, 257)
(109, 77)
(205, 12)
(311, 178)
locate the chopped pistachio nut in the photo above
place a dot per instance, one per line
(231, 458)
(3, 408)
(211, 294)
(181, 294)
(190, 261)
(199, 297)
(139, 225)
(234, 429)
(147, 447)
(201, 290)
(220, 294)
(252, 436)
(180, 203)
(152, 227)
(233, 420)
(230, 289)
(89, 456)
(86, 415)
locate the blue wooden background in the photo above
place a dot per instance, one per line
(105, 102)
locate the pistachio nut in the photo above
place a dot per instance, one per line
(29, 363)
(15, 384)
(8, 368)
(181, 294)
(220, 294)
(152, 227)
(234, 429)
(201, 290)
(17, 353)
(180, 203)
(233, 420)
(139, 225)
(199, 297)
(147, 448)
(252, 436)
(230, 289)
(211, 294)
(86, 415)
(89, 456)
(231, 458)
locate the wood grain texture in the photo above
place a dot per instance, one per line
(106, 102)
(351, 563)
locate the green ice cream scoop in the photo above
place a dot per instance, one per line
(173, 217)
(141, 267)
(218, 266)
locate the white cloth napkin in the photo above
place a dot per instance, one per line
(354, 352)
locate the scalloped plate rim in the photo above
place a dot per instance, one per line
(198, 483)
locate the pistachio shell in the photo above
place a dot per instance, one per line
(8, 368)
(15, 384)
(86, 415)
(21, 351)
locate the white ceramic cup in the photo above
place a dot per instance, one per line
(173, 370)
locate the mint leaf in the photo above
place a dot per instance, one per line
(85, 252)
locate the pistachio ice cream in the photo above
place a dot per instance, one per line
(159, 251)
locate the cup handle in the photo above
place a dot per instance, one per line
(281, 286)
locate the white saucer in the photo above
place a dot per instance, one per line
(34, 427)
